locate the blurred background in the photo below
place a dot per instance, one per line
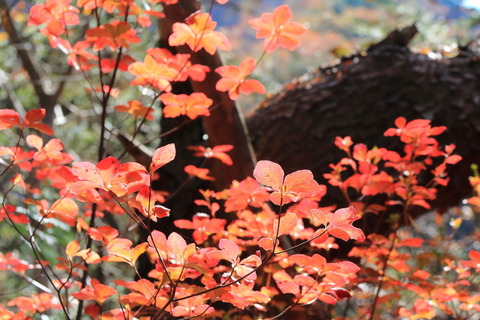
(339, 28)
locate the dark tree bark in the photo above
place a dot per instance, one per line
(361, 97)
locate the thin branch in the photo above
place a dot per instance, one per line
(382, 276)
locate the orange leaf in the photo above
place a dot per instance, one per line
(269, 174)
(411, 242)
(152, 72)
(103, 233)
(113, 35)
(287, 223)
(65, 210)
(192, 106)
(217, 152)
(295, 186)
(234, 79)
(198, 32)
(120, 250)
(98, 292)
(136, 109)
(201, 173)
(266, 243)
(35, 141)
(277, 29)
(72, 249)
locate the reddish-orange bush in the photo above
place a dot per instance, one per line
(269, 256)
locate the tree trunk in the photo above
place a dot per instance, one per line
(225, 125)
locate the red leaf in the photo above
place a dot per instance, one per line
(108, 175)
(320, 236)
(341, 293)
(161, 211)
(339, 233)
(285, 282)
(203, 225)
(184, 224)
(339, 223)
(8, 212)
(158, 241)
(321, 216)
(475, 256)
(41, 303)
(162, 156)
(34, 116)
(57, 14)
(453, 159)
(8, 118)
(178, 248)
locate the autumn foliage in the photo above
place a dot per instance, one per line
(259, 249)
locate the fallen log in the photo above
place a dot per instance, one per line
(361, 97)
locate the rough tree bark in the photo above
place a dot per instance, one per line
(361, 97)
